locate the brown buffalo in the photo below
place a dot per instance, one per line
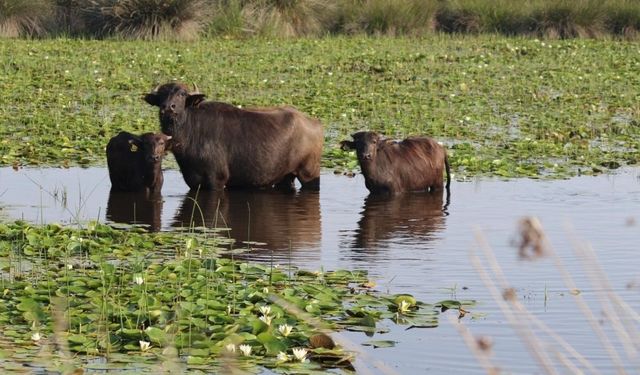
(414, 164)
(135, 162)
(218, 145)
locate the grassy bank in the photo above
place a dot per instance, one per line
(191, 19)
(503, 106)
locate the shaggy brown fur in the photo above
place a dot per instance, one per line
(414, 164)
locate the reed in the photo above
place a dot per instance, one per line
(23, 18)
(552, 352)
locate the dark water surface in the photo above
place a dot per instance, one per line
(409, 244)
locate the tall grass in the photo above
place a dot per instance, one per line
(67, 18)
(388, 17)
(190, 19)
(288, 18)
(148, 19)
(20, 18)
(226, 18)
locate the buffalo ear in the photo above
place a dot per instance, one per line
(153, 99)
(347, 145)
(193, 100)
(134, 144)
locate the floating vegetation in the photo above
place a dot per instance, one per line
(100, 291)
(507, 107)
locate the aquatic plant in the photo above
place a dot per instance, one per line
(106, 292)
(503, 106)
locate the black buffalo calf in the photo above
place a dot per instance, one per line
(135, 162)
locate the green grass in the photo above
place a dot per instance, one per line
(504, 106)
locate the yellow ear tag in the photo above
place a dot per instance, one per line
(134, 147)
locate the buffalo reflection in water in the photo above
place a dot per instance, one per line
(412, 219)
(135, 208)
(281, 220)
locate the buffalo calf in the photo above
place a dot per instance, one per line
(135, 162)
(414, 164)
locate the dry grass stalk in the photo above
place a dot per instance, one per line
(477, 348)
(620, 315)
(510, 295)
(586, 311)
(523, 330)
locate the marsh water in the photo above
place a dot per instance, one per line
(415, 243)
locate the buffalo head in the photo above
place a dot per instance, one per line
(154, 146)
(173, 99)
(365, 144)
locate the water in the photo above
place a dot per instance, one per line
(409, 244)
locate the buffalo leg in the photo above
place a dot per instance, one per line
(309, 175)
(287, 183)
(193, 180)
(217, 182)
(312, 184)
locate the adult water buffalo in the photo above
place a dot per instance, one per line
(135, 162)
(414, 164)
(218, 145)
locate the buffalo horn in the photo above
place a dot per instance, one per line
(195, 88)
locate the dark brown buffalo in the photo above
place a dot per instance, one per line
(218, 145)
(135, 162)
(414, 164)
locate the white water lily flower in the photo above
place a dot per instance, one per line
(266, 319)
(230, 348)
(285, 329)
(300, 354)
(245, 349)
(36, 336)
(265, 290)
(404, 307)
(138, 279)
(265, 310)
(144, 345)
(282, 357)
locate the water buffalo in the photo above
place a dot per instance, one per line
(414, 164)
(135, 162)
(218, 145)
